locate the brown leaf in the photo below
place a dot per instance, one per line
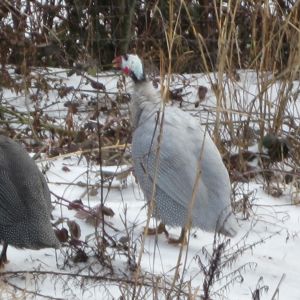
(176, 94)
(202, 91)
(82, 214)
(62, 234)
(64, 91)
(95, 214)
(94, 219)
(124, 240)
(74, 228)
(65, 169)
(76, 204)
(107, 211)
(274, 191)
(55, 151)
(80, 256)
(75, 243)
(97, 85)
(72, 106)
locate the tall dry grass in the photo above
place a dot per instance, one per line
(237, 113)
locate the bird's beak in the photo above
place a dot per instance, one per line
(117, 62)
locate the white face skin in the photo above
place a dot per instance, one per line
(131, 63)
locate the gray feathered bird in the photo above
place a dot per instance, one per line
(170, 150)
(25, 203)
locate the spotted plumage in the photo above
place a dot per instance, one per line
(25, 204)
(175, 161)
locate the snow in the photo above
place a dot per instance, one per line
(262, 257)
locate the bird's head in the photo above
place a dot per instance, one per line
(131, 65)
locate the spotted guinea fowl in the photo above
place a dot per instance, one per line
(25, 204)
(175, 161)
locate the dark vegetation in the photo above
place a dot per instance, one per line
(63, 33)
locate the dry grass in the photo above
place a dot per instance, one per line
(235, 121)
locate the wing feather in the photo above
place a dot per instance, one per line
(11, 206)
(184, 147)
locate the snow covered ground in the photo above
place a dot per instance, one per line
(261, 262)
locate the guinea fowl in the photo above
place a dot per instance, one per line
(25, 203)
(175, 161)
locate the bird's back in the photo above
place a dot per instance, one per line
(185, 149)
(170, 151)
(25, 204)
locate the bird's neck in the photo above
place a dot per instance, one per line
(145, 100)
